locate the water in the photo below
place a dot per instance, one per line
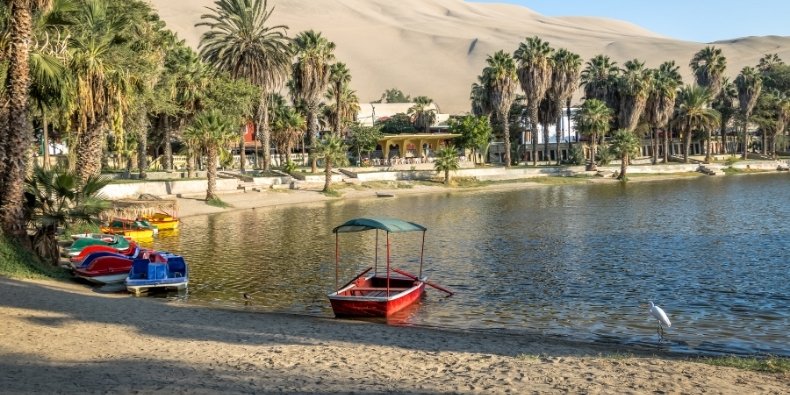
(572, 261)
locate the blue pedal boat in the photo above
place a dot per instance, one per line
(161, 271)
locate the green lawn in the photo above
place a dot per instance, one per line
(16, 262)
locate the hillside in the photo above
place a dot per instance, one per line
(437, 48)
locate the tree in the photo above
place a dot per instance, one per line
(481, 104)
(364, 139)
(592, 120)
(768, 62)
(749, 83)
(396, 124)
(564, 80)
(501, 82)
(625, 145)
(709, 65)
(475, 133)
(660, 103)
(534, 57)
(339, 78)
(240, 41)
(634, 87)
(772, 114)
(693, 114)
(394, 95)
(727, 107)
(56, 199)
(310, 79)
(423, 113)
(446, 161)
(599, 78)
(288, 127)
(345, 108)
(212, 130)
(334, 152)
(17, 134)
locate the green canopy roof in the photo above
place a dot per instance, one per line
(386, 224)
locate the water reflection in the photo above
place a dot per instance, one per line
(572, 261)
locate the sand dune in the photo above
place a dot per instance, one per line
(438, 47)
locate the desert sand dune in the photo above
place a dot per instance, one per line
(437, 48)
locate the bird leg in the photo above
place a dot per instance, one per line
(660, 331)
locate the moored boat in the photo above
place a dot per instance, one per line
(105, 267)
(161, 270)
(116, 242)
(377, 294)
(162, 221)
(137, 230)
(132, 251)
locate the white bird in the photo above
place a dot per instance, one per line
(659, 314)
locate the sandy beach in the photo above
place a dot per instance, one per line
(63, 337)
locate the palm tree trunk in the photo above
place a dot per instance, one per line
(667, 132)
(19, 132)
(558, 132)
(446, 176)
(312, 127)
(242, 150)
(623, 167)
(266, 135)
(89, 151)
(211, 172)
(533, 120)
(191, 164)
(745, 143)
(327, 174)
(687, 144)
(654, 144)
(506, 135)
(707, 151)
(142, 157)
(593, 151)
(168, 156)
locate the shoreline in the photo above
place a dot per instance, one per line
(88, 342)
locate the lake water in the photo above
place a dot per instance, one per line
(573, 261)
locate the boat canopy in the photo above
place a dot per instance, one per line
(387, 224)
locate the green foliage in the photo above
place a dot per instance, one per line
(624, 143)
(446, 161)
(55, 199)
(289, 167)
(766, 365)
(394, 95)
(364, 138)
(217, 202)
(731, 160)
(231, 97)
(475, 132)
(576, 156)
(397, 124)
(18, 262)
(604, 155)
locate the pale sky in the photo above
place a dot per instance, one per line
(691, 20)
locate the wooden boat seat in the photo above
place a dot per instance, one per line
(392, 289)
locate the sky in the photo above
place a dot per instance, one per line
(690, 20)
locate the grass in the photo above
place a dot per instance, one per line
(17, 262)
(332, 193)
(765, 365)
(217, 202)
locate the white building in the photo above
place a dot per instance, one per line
(371, 113)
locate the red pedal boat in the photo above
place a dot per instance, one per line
(378, 294)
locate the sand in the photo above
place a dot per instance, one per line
(437, 48)
(62, 337)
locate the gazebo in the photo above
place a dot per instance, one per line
(414, 145)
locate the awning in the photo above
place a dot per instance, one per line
(386, 224)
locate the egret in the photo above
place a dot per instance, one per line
(659, 314)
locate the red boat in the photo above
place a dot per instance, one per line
(378, 294)
(131, 251)
(105, 268)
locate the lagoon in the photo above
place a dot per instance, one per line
(570, 261)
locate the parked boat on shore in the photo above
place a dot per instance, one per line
(162, 270)
(116, 242)
(135, 229)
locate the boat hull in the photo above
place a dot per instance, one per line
(138, 288)
(345, 305)
(105, 279)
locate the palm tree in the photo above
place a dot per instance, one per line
(564, 81)
(599, 78)
(348, 103)
(311, 74)
(213, 130)
(422, 113)
(749, 83)
(592, 120)
(481, 105)
(333, 151)
(501, 81)
(709, 65)
(534, 57)
(727, 107)
(768, 62)
(339, 78)
(693, 114)
(625, 145)
(288, 127)
(661, 103)
(634, 87)
(446, 161)
(57, 199)
(241, 42)
(17, 134)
